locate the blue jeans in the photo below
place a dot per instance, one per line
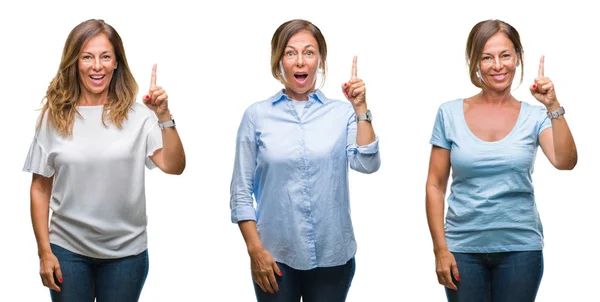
(86, 279)
(321, 284)
(497, 277)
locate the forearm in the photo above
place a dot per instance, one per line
(173, 153)
(250, 234)
(565, 151)
(435, 217)
(40, 209)
(364, 129)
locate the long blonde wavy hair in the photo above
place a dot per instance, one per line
(64, 91)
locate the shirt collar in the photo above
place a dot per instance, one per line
(317, 96)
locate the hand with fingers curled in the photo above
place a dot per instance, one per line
(543, 89)
(50, 271)
(446, 269)
(355, 90)
(157, 99)
(264, 269)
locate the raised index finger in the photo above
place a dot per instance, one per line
(541, 69)
(153, 77)
(354, 67)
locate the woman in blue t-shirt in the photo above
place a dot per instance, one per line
(490, 248)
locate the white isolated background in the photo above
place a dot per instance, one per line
(213, 59)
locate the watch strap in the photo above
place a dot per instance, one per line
(554, 114)
(367, 116)
(167, 124)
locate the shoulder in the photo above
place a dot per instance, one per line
(538, 112)
(451, 108)
(257, 107)
(140, 111)
(452, 105)
(341, 105)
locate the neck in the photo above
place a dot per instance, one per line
(298, 96)
(498, 98)
(89, 99)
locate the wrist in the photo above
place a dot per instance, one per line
(42, 252)
(553, 107)
(164, 117)
(360, 109)
(440, 249)
(254, 248)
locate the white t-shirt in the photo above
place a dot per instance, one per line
(299, 106)
(98, 197)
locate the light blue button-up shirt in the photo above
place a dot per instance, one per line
(297, 169)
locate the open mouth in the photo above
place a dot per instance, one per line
(301, 77)
(97, 79)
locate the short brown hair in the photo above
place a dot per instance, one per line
(282, 36)
(479, 35)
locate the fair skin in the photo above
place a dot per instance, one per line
(96, 65)
(300, 64)
(490, 116)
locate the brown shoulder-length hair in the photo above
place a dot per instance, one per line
(282, 36)
(64, 91)
(479, 35)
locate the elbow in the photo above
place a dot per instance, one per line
(374, 169)
(367, 165)
(367, 169)
(176, 169)
(568, 164)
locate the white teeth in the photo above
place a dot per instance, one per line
(97, 77)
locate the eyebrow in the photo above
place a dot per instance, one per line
(102, 53)
(305, 47)
(487, 53)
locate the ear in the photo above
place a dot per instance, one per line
(116, 65)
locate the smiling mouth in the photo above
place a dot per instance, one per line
(499, 77)
(97, 77)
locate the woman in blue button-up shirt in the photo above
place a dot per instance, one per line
(292, 153)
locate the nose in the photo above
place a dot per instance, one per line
(300, 60)
(498, 63)
(96, 64)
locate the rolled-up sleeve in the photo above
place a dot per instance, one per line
(242, 181)
(364, 159)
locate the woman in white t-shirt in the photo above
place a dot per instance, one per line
(91, 144)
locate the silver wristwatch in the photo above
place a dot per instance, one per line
(367, 116)
(554, 114)
(167, 124)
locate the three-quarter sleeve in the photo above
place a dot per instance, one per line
(438, 137)
(37, 160)
(242, 181)
(364, 159)
(153, 143)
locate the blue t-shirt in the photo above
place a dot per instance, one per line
(491, 207)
